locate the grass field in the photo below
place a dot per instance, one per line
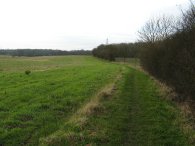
(80, 100)
(35, 105)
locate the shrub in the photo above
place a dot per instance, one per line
(172, 59)
(27, 72)
(112, 51)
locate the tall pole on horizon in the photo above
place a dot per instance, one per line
(107, 41)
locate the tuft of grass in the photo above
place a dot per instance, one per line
(27, 72)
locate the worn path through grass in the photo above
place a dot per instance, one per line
(152, 120)
(133, 115)
(138, 116)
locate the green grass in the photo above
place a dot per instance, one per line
(35, 105)
(137, 116)
(20, 64)
(80, 100)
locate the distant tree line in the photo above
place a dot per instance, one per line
(113, 51)
(169, 51)
(41, 52)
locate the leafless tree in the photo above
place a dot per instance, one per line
(188, 18)
(157, 29)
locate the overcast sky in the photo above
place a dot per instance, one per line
(76, 24)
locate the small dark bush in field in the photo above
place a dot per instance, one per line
(27, 72)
